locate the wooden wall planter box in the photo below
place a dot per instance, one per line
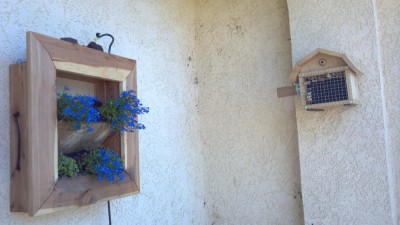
(35, 186)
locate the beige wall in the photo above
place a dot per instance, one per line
(249, 136)
(160, 36)
(219, 147)
(388, 15)
(347, 156)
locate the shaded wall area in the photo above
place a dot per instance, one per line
(249, 137)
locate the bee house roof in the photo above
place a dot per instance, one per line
(321, 59)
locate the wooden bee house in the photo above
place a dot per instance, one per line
(326, 79)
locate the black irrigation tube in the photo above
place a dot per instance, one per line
(109, 212)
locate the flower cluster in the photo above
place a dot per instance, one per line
(102, 162)
(110, 166)
(122, 112)
(78, 110)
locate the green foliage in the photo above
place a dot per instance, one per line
(67, 166)
(122, 112)
(110, 111)
(89, 162)
(104, 163)
(101, 162)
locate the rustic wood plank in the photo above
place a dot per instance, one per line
(88, 62)
(113, 142)
(329, 52)
(103, 72)
(112, 90)
(18, 101)
(78, 77)
(124, 135)
(132, 152)
(100, 90)
(71, 141)
(41, 124)
(87, 190)
(286, 91)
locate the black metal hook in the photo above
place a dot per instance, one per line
(98, 35)
(16, 115)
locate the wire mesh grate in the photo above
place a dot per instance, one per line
(328, 87)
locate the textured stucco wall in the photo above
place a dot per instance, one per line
(346, 158)
(249, 136)
(160, 36)
(389, 31)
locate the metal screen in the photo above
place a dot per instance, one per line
(328, 87)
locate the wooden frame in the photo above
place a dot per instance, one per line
(35, 187)
(310, 62)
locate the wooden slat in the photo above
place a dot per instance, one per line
(82, 60)
(112, 90)
(100, 90)
(71, 141)
(77, 77)
(295, 72)
(103, 72)
(42, 124)
(351, 65)
(132, 153)
(18, 101)
(286, 91)
(113, 142)
(124, 135)
(86, 190)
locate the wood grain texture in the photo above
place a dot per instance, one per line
(85, 61)
(71, 141)
(86, 190)
(42, 124)
(310, 62)
(18, 101)
(132, 151)
(286, 91)
(124, 135)
(111, 91)
(78, 77)
(113, 142)
(102, 72)
(99, 85)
